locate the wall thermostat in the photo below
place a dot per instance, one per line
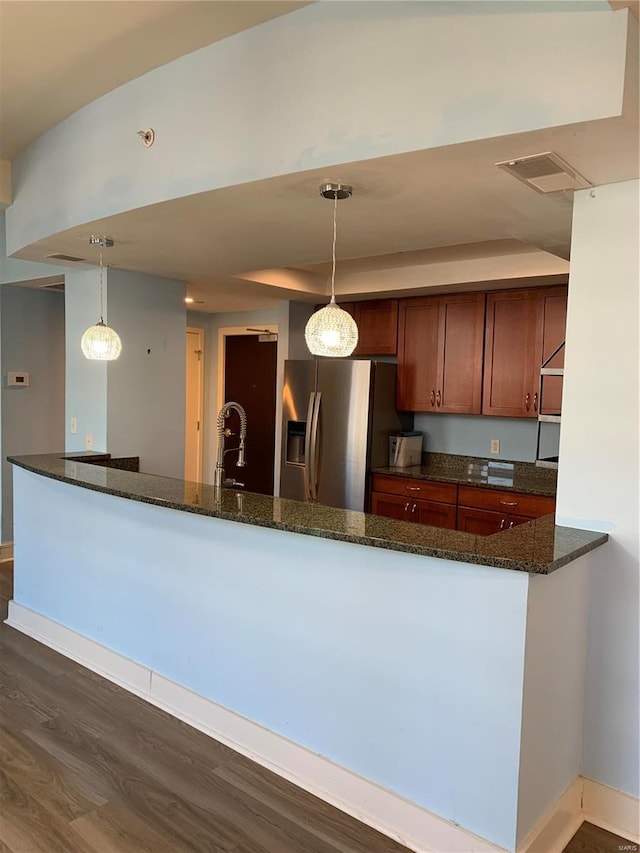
(18, 379)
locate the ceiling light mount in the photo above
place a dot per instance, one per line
(336, 191)
(103, 242)
(147, 136)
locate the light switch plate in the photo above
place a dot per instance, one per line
(89, 441)
(495, 445)
(74, 426)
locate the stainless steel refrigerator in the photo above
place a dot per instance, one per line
(337, 419)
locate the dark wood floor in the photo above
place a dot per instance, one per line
(86, 766)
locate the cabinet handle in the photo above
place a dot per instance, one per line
(503, 522)
(433, 398)
(412, 488)
(527, 401)
(406, 510)
(508, 503)
(511, 523)
(414, 509)
(438, 398)
(535, 402)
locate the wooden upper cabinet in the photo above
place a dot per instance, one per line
(522, 325)
(554, 330)
(377, 322)
(440, 344)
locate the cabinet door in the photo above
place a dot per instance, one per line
(391, 506)
(482, 522)
(554, 322)
(512, 354)
(377, 322)
(418, 327)
(461, 344)
(435, 514)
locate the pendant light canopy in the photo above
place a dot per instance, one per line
(99, 342)
(331, 331)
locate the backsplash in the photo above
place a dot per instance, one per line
(471, 435)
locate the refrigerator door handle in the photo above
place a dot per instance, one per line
(308, 462)
(315, 448)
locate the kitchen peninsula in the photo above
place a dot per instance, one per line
(431, 685)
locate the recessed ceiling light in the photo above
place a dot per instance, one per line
(188, 299)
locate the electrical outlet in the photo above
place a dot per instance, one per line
(495, 445)
(89, 441)
(74, 426)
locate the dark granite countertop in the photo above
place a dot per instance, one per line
(489, 473)
(538, 546)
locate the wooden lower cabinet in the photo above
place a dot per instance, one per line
(472, 509)
(486, 511)
(410, 499)
(423, 512)
(484, 522)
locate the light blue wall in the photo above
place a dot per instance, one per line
(146, 390)
(300, 115)
(14, 270)
(86, 381)
(378, 660)
(32, 418)
(470, 435)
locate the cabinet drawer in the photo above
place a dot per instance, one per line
(514, 503)
(409, 487)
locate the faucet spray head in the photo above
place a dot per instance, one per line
(241, 459)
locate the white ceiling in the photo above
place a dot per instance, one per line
(280, 227)
(56, 57)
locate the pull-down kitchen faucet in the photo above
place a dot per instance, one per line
(219, 480)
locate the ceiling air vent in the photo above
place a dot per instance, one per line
(59, 257)
(545, 173)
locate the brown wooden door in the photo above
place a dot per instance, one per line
(418, 341)
(512, 354)
(250, 379)
(554, 320)
(391, 506)
(435, 514)
(482, 522)
(461, 344)
(377, 322)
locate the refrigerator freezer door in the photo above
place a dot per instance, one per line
(344, 412)
(298, 406)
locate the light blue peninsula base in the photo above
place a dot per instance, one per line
(439, 701)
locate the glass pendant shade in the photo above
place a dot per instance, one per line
(331, 332)
(100, 343)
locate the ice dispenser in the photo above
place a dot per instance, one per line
(296, 432)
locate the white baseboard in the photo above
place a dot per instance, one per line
(383, 810)
(612, 810)
(6, 551)
(585, 800)
(557, 827)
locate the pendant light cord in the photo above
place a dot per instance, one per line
(333, 253)
(101, 314)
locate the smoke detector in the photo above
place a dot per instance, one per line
(545, 173)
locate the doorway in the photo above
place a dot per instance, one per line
(250, 379)
(194, 405)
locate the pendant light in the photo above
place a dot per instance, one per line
(331, 331)
(99, 342)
